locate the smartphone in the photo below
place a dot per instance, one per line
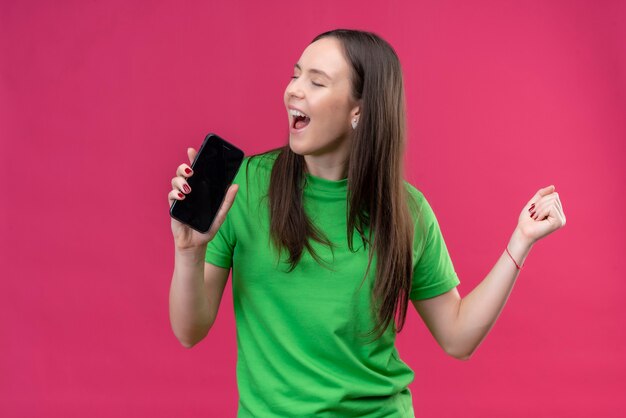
(214, 169)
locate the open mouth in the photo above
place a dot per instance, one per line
(298, 119)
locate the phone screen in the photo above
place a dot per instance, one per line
(214, 169)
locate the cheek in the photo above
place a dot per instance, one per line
(338, 114)
(335, 110)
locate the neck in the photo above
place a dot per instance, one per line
(326, 168)
(329, 164)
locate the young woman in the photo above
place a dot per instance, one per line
(328, 244)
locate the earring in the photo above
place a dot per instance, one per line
(355, 122)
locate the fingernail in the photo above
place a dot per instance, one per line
(180, 195)
(186, 188)
(532, 214)
(187, 170)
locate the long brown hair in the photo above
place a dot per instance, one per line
(377, 196)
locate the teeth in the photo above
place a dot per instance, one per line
(296, 113)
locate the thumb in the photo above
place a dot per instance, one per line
(191, 153)
(541, 193)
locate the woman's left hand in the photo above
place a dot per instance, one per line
(542, 215)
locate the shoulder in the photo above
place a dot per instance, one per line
(258, 165)
(413, 191)
(254, 175)
(259, 162)
(415, 198)
(422, 212)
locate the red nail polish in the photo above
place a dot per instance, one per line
(187, 170)
(186, 188)
(180, 195)
(532, 214)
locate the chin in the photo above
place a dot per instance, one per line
(304, 145)
(297, 147)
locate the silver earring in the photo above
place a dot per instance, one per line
(355, 122)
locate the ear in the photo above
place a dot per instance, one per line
(356, 111)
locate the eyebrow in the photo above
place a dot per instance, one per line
(314, 71)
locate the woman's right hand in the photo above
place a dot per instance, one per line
(184, 236)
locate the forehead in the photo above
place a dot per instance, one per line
(325, 54)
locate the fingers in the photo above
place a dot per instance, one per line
(538, 208)
(546, 210)
(545, 205)
(546, 190)
(174, 195)
(184, 170)
(551, 214)
(180, 183)
(180, 187)
(191, 153)
(228, 199)
(539, 213)
(541, 193)
(230, 195)
(226, 205)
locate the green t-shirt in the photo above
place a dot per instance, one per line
(300, 350)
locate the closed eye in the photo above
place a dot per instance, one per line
(294, 77)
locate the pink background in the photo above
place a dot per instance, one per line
(99, 100)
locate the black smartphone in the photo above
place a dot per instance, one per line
(214, 169)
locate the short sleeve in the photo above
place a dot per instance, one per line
(220, 249)
(433, 271)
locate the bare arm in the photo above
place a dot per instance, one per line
(197, 287)
(195, 295)
(460, 325)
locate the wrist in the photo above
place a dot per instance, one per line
(520, 240)
(519, 246)
(196, 252)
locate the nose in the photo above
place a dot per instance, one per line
(294, 89)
